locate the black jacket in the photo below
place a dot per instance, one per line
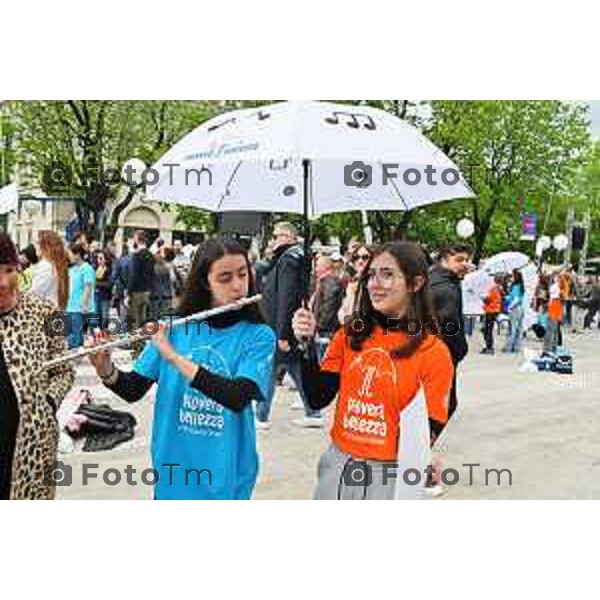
(141, 272)
(446, 294)
(282, 290)
(328, 300)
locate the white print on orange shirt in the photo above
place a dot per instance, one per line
(374, 364)
(365, 409)
(368, 427)
(365, 389)
(378, 376)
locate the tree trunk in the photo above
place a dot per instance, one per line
(400, 232)
(113, 226)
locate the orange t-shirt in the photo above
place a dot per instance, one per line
(555, 310)
(374, 389)
(493, 301)
(565, 287)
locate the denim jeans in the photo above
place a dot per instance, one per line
(75, 339)
(291, 361)
(103, 308)
(468, 324)
(515, 335)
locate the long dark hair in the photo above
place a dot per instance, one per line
(412, 262)
(517, 279)
(197, 295)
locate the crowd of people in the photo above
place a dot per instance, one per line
(88, 281)
(559, 299)
(216, 385)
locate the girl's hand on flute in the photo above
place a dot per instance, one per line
(159, 339)
(101, 360)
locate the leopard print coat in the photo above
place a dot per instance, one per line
(39, 393)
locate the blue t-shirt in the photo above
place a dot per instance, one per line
(79, 276)
(515, 296)
(216, 445)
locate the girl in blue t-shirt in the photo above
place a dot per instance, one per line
(516, 312)
(207, 375)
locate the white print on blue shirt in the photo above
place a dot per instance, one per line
(195, 431)
(198, 414)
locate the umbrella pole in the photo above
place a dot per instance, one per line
(306, 227)
(304, 344)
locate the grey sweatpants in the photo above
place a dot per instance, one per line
(340, 477)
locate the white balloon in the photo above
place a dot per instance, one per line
(136, 167)
(465, 228)
(561, 241)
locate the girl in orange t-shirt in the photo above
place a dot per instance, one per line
(376, 365)
(492, 306)
(553, 335)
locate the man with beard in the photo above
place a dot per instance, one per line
(283, 291)
(29, 394)
(454, 262)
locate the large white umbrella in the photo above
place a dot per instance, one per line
(475, 287)
(505, 262)
(306, 157)
(9, 198)
(477, 284)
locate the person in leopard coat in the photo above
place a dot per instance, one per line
(29, 395)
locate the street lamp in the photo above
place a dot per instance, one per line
(465, 228)
(132, 172)
(32, 208)
(541, 246)
(560, 242)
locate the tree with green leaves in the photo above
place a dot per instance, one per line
(77, 148)
(511, 150)
(7, 143)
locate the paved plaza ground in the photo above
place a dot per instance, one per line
(543, 427)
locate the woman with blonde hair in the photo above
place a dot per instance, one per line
(51, 274)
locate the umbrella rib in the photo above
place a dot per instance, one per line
(398, 192)
(227, 186)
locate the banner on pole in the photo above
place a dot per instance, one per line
(528, 226)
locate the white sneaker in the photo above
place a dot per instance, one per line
(297, 404)
(433, 491)
(309, 422)
(288, 382)
(262, 425)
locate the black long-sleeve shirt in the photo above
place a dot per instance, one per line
(234, 394)
(321, 387)
(141, 272)
(9, 423)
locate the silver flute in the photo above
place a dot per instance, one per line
(144, 335)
